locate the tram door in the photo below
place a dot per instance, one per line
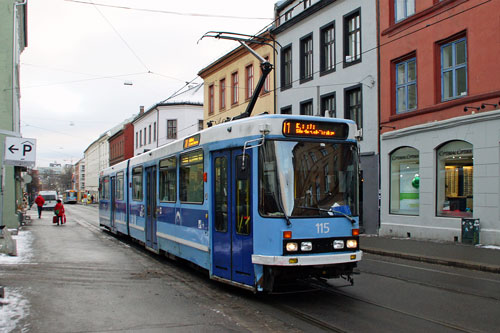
(112, 204)
(232, 217)
(150, 191)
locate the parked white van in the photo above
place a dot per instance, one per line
(50, 199)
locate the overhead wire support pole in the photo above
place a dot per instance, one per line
(265, 65)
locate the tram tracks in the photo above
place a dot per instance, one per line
(332, 290)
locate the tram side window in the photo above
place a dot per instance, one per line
(137, 184)
(105, 188)
(119, 186)
(168, 180)
(191, 177)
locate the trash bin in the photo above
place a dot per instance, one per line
(470, 231)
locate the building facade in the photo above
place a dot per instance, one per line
(230, 81)
(439, 105)
(327, 67)
(164, 123)
(96, 159)
(79, 172)
(13, 38)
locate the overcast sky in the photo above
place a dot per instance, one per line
(81, 59)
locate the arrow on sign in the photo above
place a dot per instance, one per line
(11, 148)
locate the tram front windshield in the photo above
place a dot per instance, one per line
(308, 179)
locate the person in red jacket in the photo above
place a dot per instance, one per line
(39, 204)
(59, 211)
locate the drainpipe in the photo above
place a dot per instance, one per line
(16, 120)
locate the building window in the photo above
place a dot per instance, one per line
(200, 124)
(306, 58)
(307, 4)
(172, 129)
(249, 77)
(154, 131)
(327, 48)
(235, 88)
(211, 99)
(352, 38)
(286, 110)
(286, 67)
(145, 135)
(222, 94)
(136, 140)
(406, 85)
(149, 134)
(328, 106)
(454, 69)
(403, 9)
(288, 15)
(353, 105)
(306, 108)
(140, 138)
(405, 181)
(455, 169)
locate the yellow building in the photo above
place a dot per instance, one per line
(231, 80)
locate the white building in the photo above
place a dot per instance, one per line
(96, 159)
(327, 67)
(166, 122)
(456, 162)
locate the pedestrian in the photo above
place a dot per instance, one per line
(39, 203)
(92, 198)
(59, 211)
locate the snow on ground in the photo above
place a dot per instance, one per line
(491, 247)
(24, 250)
(14, 306)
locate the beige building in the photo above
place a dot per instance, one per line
(231, 80)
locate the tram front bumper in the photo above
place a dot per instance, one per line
(307, 260)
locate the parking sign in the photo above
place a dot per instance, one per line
(20, 151)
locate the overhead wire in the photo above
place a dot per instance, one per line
(171, 12)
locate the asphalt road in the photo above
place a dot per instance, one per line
(78, 278)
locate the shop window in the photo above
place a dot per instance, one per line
(455, 170)
(405, 181)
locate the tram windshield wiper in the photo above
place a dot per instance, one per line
(331, 211)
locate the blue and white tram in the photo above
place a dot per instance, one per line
(253, 201)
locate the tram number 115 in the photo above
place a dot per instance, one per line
(323, 228)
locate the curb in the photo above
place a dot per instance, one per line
(435, 260)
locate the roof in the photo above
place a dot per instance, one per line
(140, 116)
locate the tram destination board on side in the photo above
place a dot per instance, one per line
(315, 129)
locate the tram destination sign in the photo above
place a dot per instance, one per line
(20, 151)
(315, 129)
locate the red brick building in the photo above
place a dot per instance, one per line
(439, 117)
(121, 144)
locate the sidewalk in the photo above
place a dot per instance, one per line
(443, 253)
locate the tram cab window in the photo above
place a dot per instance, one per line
(137, 184)
(168, 179)
(191, 177)
(289, 182)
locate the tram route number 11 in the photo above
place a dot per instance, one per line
(323, 228)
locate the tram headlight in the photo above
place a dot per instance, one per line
(338, 244)
(292, 247)
(352, 243)
(306, 246)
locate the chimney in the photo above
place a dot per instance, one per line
(141, 109)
